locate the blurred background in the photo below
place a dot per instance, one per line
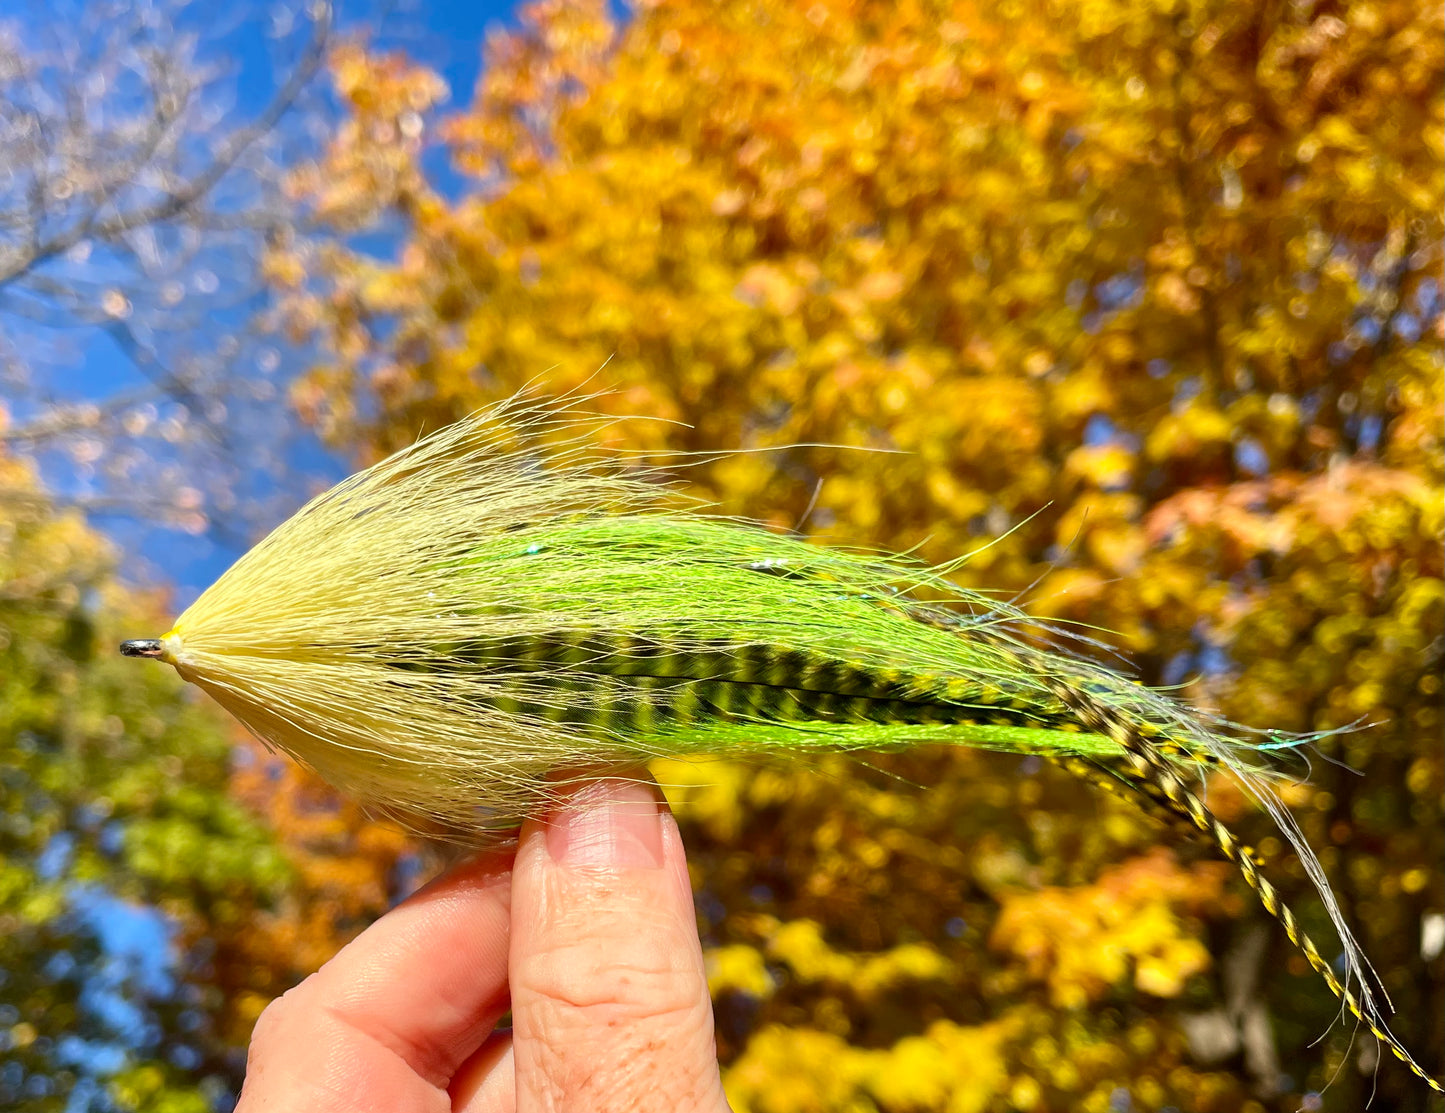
(1144, 298)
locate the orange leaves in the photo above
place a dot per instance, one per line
(343, 867)
(1173, 292)
(1083, 942)
(371, 163)
(765, 284)
(1358, 509)
(1354, 601)
(384, 87)
(527, 80)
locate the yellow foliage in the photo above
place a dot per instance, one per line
(738, 968)
(799, 945)
(1083, 941)
(949, 1068)
(1132, 301)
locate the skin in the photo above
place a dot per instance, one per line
(587, 935)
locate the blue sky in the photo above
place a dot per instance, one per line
(448, 35)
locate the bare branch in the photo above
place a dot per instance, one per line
(138, 198)
(178, 200)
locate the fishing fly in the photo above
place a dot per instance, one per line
(453, 634)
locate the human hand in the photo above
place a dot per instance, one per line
(588, 935)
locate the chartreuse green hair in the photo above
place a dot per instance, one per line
(452, 634)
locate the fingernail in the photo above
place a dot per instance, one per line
(609, 823)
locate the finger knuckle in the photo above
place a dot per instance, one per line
(607, 1055)
(598, 975)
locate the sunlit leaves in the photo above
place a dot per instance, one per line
(1141, 301)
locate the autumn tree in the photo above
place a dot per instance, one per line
(1144, 303)
(116, 827)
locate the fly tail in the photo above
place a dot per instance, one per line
(1150, 773)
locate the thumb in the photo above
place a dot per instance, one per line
(610, 1007)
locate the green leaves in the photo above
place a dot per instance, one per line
(113, 786)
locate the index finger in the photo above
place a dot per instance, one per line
(385, 1024)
